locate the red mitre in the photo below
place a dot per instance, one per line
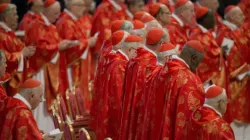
(3, 7)
(213, 92)
(30, 83)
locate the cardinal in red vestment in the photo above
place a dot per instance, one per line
(161, 12)
(14, 49)
(35, 8)
(135, 79)
(107, 12)
(44, 64)
(72, 60)
(153, 82)
(182, 92)
(113, 91)
(211, 69)
(102, 60)
(183, 20)
(3, 66)
(206, 122)
(235, 46)
(150, 22)
(139, 29)
(17, 121)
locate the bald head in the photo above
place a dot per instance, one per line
(186, 13)
(32, 95)
(191, 56)
(235, 16)
(36, 6)
(9, 16)
(52, 12)
(213, 5)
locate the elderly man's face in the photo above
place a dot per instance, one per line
(189, 14)
(54, 12)
(165, 15)
(3, 64)
(36, 97)
(137, 7)
(38, 6)
(78, 8)
(12, 18)
(212, 5)
(238, 17)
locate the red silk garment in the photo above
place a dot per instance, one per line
(46, 39)
(105, 14)
(178, 33)
(236, 64)
(17, 121)
(2, 92)
(110, 115)
(211, 66)
(27, 19)
(206, 124)
(12, 47)
(183, 93)
(134, 87)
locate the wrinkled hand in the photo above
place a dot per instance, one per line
(92, 41)
(28, 51)
(64, 45)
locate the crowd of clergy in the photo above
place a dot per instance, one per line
(165, 70)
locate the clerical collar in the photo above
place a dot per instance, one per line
(230, 25)
(180, 59)
(31, 12)
(178, 19)
(45, 19)
(20, 97)
(130, 15)
(113, 51)
(123, 54)
(5, 27)
(146, 48)
(70, 14)
(117, 6)
(206, 105)
(204, 30)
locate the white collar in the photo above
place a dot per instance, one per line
(146, 48)
(20, 97)
(204, 30)
(230, 25)
(123, 54)
(130, 15)
(113, 51)
(70, 14)
(206, 105)
(117, 6)
(31, 12)
(178, 19)
(45, 19)
(160, 64)
(178, 58)
(5, 27)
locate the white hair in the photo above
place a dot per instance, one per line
(7, 10)
(216, 99)
(126, 34)
(227, 15)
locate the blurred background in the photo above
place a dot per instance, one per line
(22, 6)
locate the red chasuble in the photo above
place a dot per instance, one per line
(105, 14)
(183, 93)
(210, 69)
(46, 39)
(236, 64)
(137, 71)
(152, 105)
(98, 86)
(206, 124)
(12, 47)
(27, 19)
(17, 121)
(110, 108)
(72, 29)
(177, 32)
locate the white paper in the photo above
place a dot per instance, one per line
(85, 54)
(20, 33)
(242, 75)
(229, 43)
(54, 60)
(56, 133)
